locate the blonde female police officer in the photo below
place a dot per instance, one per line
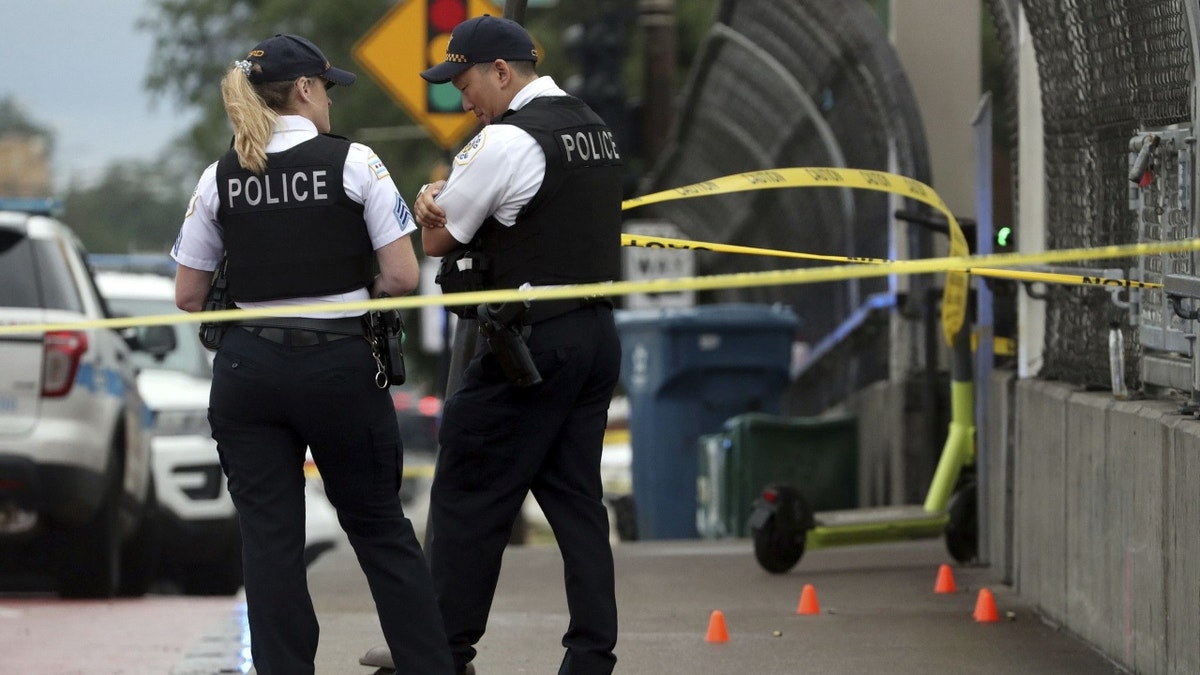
(302, 218)
(536, 197)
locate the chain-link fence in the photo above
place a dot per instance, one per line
(1112, 73)
(799, 83)
(815, 83)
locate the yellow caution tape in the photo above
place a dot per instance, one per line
(1055, 278)
(650, 241)
(956, 266)
(619, 288)
(1001, 346)
(954, 297)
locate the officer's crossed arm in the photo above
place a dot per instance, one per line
(436, 240)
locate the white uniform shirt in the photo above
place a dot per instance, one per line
(365, 179)
(497, 173)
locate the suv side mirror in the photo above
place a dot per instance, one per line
(156, 340)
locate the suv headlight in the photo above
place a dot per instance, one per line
(181, 423)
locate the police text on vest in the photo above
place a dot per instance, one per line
(588, 146)
(278, 189)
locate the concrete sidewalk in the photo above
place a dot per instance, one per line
(878, 613)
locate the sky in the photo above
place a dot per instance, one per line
(78, 67)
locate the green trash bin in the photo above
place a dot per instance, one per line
(816, 455)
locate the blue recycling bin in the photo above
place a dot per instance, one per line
(686, 371)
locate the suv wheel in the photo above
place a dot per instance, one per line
(91, 559)
(139, 556)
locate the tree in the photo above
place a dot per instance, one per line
(195, 42)
(136, 207)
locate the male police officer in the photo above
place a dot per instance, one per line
(533, 200)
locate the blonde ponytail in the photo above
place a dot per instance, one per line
(252, 111)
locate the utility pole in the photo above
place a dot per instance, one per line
(657, 20)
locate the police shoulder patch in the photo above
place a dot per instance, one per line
(377, 166)
(192, 204)
(469, 150)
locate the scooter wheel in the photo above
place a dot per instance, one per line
(962, 531)
(775, 550)
(779, 533)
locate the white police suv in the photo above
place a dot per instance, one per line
(201, 547)
(77, 497)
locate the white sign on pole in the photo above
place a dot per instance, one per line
(433, 317)
(658, 262)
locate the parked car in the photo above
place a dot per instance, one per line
(77, 496)
(201, 543)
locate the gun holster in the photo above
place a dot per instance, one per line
(503, 327)
(463, 270)
(211, 333)
(387, 341)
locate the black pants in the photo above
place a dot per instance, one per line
(268, 402)
(498, 443)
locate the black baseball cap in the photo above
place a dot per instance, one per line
(482, 40)
(287, 57)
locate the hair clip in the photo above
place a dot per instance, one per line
(243, 66)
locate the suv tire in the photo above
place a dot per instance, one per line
(91, 561)
(140, 555)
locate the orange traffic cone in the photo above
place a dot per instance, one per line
(716, 628)
(985, 607)
(945, 581)
(808, 601)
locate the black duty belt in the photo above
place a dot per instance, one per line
(541, 310)
(295, 331)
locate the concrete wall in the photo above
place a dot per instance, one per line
(1104, 498)
(1093, 508)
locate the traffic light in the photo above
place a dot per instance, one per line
(1005, 239)
(442, 16)
(598, 48)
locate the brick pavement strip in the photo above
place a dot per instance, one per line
(43, 635)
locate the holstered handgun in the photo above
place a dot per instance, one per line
(463, 270)
(387, 342)
(501, 325)
(217, 299)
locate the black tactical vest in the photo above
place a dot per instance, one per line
(570, 232)
(293, 231)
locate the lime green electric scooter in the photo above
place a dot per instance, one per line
(783, 526)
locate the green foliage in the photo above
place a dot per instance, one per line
(135, 208)
(197, 40)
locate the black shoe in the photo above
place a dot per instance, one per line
(378, 657)
(381, 658)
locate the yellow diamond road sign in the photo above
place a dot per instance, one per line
(399, 47)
